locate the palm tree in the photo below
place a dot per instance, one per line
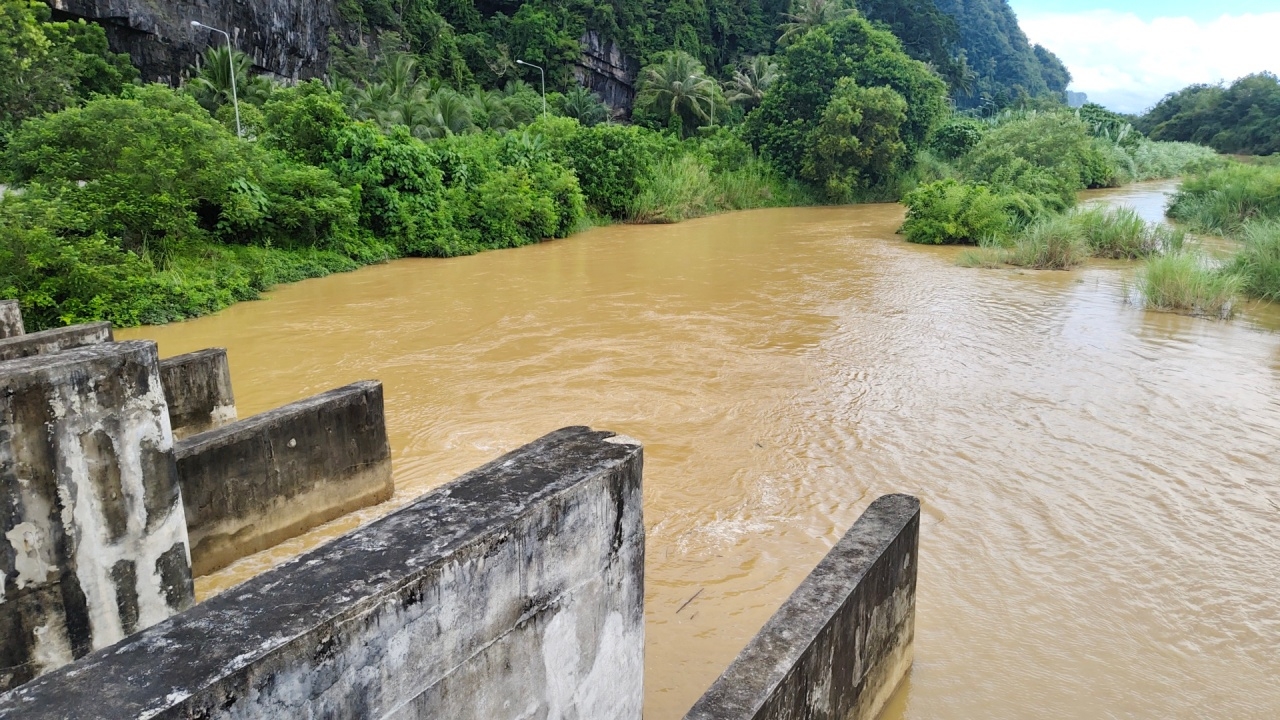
(809, 14)
(582, 105)
(212, 84)
(752, 81)
(678, 88)
(492, 110)
(448, 113)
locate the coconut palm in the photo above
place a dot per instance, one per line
(491, 110)
(212, 86)
(582, 105)
(752, 81)
(448, 113)
(678, 88)
(809, 14)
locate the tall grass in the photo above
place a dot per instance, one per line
(1185, 282)
(1225, 200)
(684, 187)
(1122, 234)
(1258, 262)
(1155, 160)
(1050, 243)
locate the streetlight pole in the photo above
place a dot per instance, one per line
(231, 63)
(544, 83)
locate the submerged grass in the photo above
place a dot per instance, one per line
(1224, 201)
(1185, 281)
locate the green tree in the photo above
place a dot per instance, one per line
(751, 81)
(783, 125)
(677, 92)
(857, 145)
(582, 105)
(46, 66)
(806, 15)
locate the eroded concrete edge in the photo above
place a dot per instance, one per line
(842, 643)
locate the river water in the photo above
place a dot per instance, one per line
(1101, 505)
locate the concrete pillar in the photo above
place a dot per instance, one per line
(95, 542)
(10, 319)
(197, 387)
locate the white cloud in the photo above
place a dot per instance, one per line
(1128, 64)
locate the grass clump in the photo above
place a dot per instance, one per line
(1184, 281)
(1258, 262)
(1223, 201)
(1122, 234)
(1054, 242)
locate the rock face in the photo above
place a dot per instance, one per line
(606, 71)
(286, 38)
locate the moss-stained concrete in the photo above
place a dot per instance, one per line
(10, 319)
(514, 592)
(46, 342)
(254, 483)
(197, 387)
(842, 643)
(95, 545)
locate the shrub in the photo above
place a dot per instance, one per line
(957, 136)
(948, 212)
(612, 162)
(680, 188)
(1183, 281)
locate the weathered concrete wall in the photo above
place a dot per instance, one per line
(254, 483)
(198, 388)
(55, 340)
(95, 546)
(514, 592)
(10, 318)
(842, 643)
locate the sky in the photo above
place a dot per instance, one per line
(1127, 54)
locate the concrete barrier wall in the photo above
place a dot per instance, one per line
(95, 546)
(10, 319)
(514, 592)
(56, 340)
(842, 643)
(198, 388)
(250, 485)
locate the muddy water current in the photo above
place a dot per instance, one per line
(1101, 530)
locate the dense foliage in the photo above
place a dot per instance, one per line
(823, 92)
(47, 66)
(975, 45)
(1019, 168)
(1241, 118)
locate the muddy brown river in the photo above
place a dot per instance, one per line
(1101, 529)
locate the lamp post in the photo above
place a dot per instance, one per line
(231, 63)
(544, 83)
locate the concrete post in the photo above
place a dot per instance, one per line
(95, 542)
(197, 387)
(10, 319)
(47, 342)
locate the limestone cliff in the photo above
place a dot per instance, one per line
(605, 70)
(286, 38)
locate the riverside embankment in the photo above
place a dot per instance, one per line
(1097, 480)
